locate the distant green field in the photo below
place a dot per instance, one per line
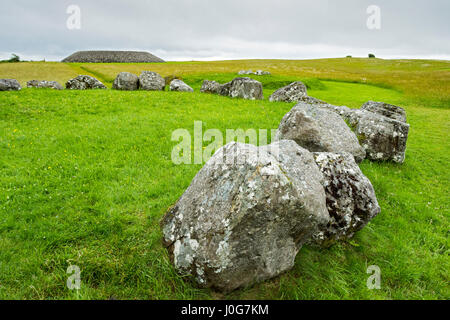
(87, 175)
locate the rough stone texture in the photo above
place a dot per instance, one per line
(245, 88)
(382, 138)
(246, 214)
(44, 84)
(84, 82)
(257, 72)
(9, 85)
(319, 130)
(112, 56)
(340, 110)
(151, 81)
(211, 87)
(126, 81)
(350, 197)
(385, 109)
(293, 92)
(179, 85)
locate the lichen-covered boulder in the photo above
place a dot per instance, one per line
(383, 138)
(151, 81)
(351, 200)
(126, 81)
(293, 92)
(9, 85)
(245, 88)
(84, 82)
(44, 84)
(319, 130)
(385, 109)
(211, 87)
(246, 214)
(179, 85)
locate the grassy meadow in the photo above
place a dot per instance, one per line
(85, 177)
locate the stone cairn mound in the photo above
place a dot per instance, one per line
(112, 57)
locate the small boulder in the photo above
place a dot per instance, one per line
(179, 85)
(319, 130)
(385, 109)
(211, 87)
(9, 85)
(261, 73)
(44, 84)
(245, 88)
(293, 92)
(126, 81)
(84, 82)
(151, 81)
(246, 215)
(350, 197)
(383, 138)
(245, 72)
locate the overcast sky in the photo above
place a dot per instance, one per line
(227, 29)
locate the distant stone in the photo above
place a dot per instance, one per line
(383, 138)
(245, 88)
(319, 130)
(44, 84)
(113, 57)
(246, 215)
(293, 92)
(151, 81)
(9, 85)
(84, 82)
(385, 109)
(262, 73)
(126, 81)
(179, 85)
(350, 197)
(245, 72)
(257, 73)
(211, 87)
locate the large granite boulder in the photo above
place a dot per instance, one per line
(388, 110)
(383, 138)
(44, 84)
(126, 81)
(319, 130)
(84, 82)
(246, 214)
(151, 81)
(350, 197)
(9, 85)
(179, 85)
(245, 88)
(293, 92)
(211, 87)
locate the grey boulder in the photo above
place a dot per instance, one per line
(245, 215)
(151, 81)
(179, 85)
(44, 84)
(211, 87)
(84, 82)
(245, 88)
(293, 92)
(9, 85)
(319, 130)
(350, 197)
(126, 81)
(388, 110)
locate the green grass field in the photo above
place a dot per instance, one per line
(86, 176)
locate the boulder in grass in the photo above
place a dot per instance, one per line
(179, 85)
(9, 85)
(350, 197)
(388, 110)
(245, 215)
(383, 138)
(211, 87)
(151, 81)
(293, 92)
(319, 130)
(84, 82)
(126, 81)
(44, 84)
(245, 88)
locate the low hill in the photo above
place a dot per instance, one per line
(113, 57)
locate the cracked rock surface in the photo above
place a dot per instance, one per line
(84, 82)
